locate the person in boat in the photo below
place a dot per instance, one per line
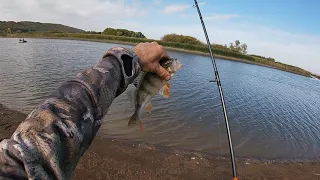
(53, 137)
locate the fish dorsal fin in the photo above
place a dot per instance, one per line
(138, 79)
(164, 91)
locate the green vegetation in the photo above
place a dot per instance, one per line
(237, 47)
(122, 32)
(9, 27)
(269, 58)
(181, 39)
(235, 51)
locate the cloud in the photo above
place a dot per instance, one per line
(222, 17)
(85, 14)
(184, 15)
(202, 3)
(174, 8)
(157, 2)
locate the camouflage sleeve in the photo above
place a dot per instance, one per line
(50, 141)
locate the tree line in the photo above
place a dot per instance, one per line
(181, 39)
(123, 32)
(238, 47)
(232, 50)
(234, 47)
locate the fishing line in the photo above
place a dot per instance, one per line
(217, 80)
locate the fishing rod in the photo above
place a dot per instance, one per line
(217, 79)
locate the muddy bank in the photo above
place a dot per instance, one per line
(9, 121)
(109, 158)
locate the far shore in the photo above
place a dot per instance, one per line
(167, 48)
(111, 158)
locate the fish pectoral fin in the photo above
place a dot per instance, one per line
(168, 85)
(164, 91)
(148, 107)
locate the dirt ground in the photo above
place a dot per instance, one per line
(109, 158)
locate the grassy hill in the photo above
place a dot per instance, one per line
(27, 26)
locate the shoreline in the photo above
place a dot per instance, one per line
(167, 48)
(111, 158)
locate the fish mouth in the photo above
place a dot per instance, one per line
(178, 65)
(171, 64)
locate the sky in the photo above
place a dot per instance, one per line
(287, 30)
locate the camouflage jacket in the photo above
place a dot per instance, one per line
(50, 141)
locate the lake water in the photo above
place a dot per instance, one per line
(273, 114)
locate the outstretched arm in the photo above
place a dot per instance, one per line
(50, 142)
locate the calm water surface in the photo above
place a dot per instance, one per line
(273, 114)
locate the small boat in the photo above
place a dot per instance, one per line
(22, 41)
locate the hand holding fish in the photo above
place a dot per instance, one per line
(150, 54)
(159, 68)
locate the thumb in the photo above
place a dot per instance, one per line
(163, 73)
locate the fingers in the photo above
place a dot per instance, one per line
(165, 55)
(150, 54)
(163, 73)
(162, 52)
(158, 50)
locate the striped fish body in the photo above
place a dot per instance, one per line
(148, 86)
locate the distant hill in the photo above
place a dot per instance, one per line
(28, 26)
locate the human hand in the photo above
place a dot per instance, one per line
(150, 54)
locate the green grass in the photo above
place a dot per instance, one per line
(199, 48)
